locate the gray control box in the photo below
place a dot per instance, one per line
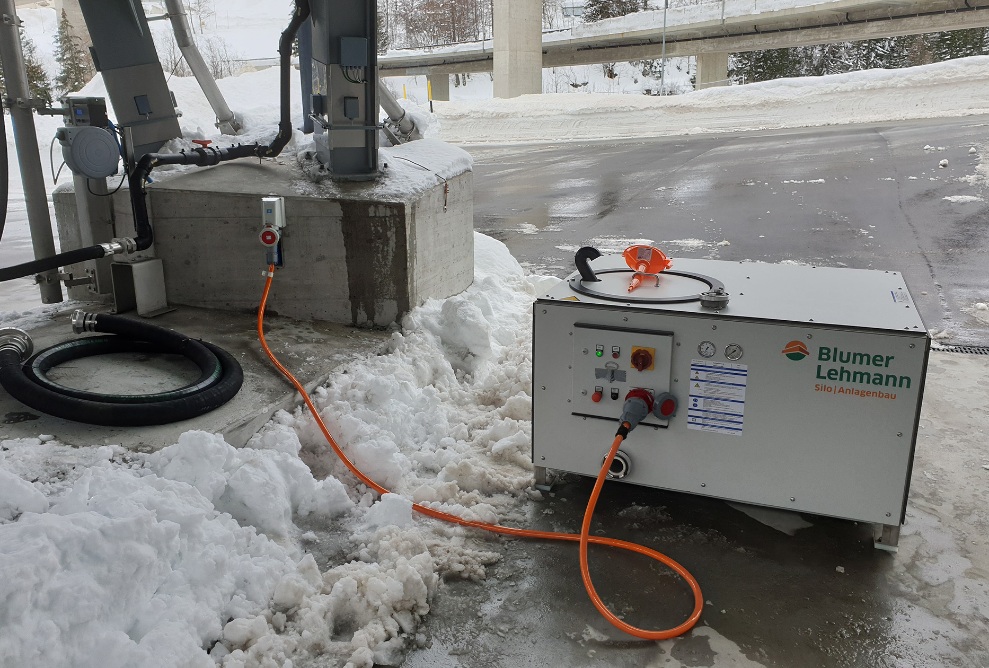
(803, 393)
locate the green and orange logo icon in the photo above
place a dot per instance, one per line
(796, 350)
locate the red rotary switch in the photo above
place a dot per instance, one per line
(641, 359)
(270, 237)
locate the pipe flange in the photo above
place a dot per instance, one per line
(715, 299)
(12, 338)
(621, 466)
(83, 322)
(126, 245)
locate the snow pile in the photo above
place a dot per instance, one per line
(442, 419)
(230, 479)
(189, 556)
(946, 89)
(127, 568)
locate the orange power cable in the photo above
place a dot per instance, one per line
(584, 538)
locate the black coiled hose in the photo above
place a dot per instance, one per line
(220, 377)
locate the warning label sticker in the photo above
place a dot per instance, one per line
(717, 396)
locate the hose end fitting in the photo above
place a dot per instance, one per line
(638, 406)
(119, 245)
(17, 340)
(83, 322)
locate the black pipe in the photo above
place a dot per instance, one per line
(127, 410)
(5, 174)
(285, 129)
(54, 262)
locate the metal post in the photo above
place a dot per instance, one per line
(226, 120)
(305, 75)
(662, 73)
(26, 143)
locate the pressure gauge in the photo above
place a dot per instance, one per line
(733, 351)
(707, 349)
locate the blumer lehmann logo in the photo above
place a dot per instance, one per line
(796, 350)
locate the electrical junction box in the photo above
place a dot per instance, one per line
(803, 392)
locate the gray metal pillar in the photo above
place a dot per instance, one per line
(26, 143)
(518, 48)
(345, 86)
(305, 75)
(226, 120)
(712, 70)
(439, 84)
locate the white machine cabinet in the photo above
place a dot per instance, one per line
(803, 392)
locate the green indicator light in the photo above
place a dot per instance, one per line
(599, 353)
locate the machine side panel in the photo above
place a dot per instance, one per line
(824, 418)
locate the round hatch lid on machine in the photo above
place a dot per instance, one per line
(672, 287)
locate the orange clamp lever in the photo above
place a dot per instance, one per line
(645, 260)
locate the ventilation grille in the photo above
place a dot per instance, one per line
(965, 350)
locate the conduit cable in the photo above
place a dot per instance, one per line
(583, 538)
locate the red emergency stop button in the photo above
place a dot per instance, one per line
(598, 394)
(270, 236)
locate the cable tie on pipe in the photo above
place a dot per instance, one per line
(267, 274)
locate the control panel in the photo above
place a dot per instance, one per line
(610, 361)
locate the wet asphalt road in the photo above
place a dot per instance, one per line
(856, 196)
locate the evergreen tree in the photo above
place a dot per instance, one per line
(75, 69)
(765, 65)
(382, 34)
(38, 82)
(596, 10)
(886, 53)
(956, 44)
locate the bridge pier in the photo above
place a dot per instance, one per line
(518, 48)
(712, 70)
(439, 84)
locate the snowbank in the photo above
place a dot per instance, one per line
(191, 556)
(951, 88)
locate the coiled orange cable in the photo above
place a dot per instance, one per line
(584, 538)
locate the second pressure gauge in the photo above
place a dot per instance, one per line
(733, 351)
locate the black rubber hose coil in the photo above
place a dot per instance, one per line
(219, 381)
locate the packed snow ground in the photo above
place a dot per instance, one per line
(114, 558)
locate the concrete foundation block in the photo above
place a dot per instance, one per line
(362, 254)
